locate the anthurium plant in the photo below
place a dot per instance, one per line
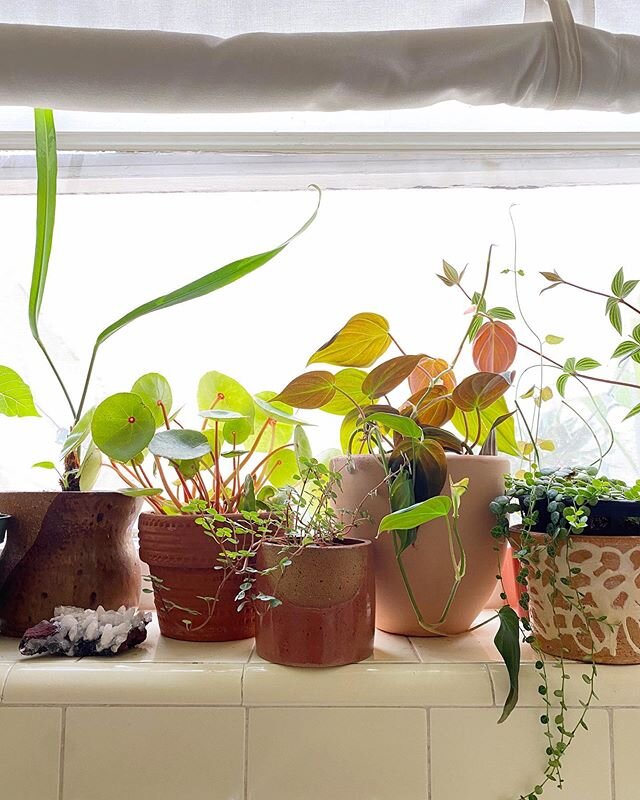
(241, 451)
(81, 458)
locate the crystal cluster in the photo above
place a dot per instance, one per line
(84, 632)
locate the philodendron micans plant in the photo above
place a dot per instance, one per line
(80, 456)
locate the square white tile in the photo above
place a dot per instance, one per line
(29, 753)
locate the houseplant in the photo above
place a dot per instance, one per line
(579, 550)
(73, 547)
(399, 454)
(225, 472)
(319, 578)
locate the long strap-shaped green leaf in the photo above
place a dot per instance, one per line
(47, 166)
(198, 288)
(47, 169)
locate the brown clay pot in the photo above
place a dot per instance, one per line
(66, 548)
(428, 562)
(610, 581)
(181, 559)
(326, 616)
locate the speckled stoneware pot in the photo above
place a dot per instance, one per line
(609, 578)
(327, 595)
(66, 549)
(428, 561)
(181, 559)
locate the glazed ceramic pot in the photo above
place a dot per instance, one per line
(428, 562)
(182, 561)
(609, 578)
(327, 595)
(66, 548)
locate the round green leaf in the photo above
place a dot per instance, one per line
(217, 391)
(179, 445)
(154, 389)
(281, 467)
(122, 426)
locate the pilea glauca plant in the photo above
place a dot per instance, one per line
(557, 507)
(81, 459)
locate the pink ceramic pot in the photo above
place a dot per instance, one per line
(428, 563)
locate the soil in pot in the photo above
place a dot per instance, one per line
(428, 562)
(609, 579)
(327, 596)
(66, 548)
(193, 601)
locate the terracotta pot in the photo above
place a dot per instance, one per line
(428, 563)
(328, 605)
(610, 581)
(182, 557)
(66, 548)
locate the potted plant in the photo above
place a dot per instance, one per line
(73, 547)
(399, 454)
(317, 578)
(220, 475)
(579, 550)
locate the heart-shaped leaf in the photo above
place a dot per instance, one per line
(416, 515)
(311, 390)
(154, 389)
(429, 370)
(360, 343)
(122, 426)
(433, 407)
(479, 390)
(15, 395)
(425, 461)
(349, 391)
(495, 347)
(387, 376)
(179, 444)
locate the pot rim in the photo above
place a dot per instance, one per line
(41, 492)
(585, 537)
(449, 455)
(350, 543)
(235, 516)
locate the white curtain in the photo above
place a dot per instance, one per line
(322, 56)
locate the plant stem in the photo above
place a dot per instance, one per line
(86, 383)
(58, 378)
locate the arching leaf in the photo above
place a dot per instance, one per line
(417, 514)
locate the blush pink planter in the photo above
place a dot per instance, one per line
(428, 562)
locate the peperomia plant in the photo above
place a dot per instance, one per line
(81, 462)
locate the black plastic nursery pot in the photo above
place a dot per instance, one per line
(607, 517)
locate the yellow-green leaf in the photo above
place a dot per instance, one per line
(360, 343)
(348, 382)
(15, 395)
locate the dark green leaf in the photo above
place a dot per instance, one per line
(416, 515)
(507, 642)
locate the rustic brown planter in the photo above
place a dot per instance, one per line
(328, 605)
(428, 562)
(610, 582)
(66, 548)
(181, 559)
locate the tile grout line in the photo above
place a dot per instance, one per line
(245, 764)
(63, 736)
(428, 723)
(612, 758)
(415, 650)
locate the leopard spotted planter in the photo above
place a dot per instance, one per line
(610, 581)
